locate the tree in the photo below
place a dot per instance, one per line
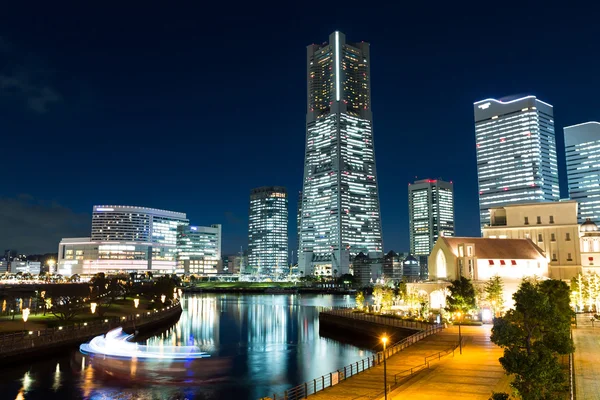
(494, 294)
(462, 296)
(65, 308)
(585, 292)
(532, 335)
(360, 300)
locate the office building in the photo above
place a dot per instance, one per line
(582, 150)
(431, 214)
(268, 230)
(516, 153)
(340, 198)
(552, 226)
(199, 249)
(126, 239)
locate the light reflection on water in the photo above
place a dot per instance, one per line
(272, 341)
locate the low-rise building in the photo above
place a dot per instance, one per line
(552, 226)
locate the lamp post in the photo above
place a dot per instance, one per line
(163, 298)
(384, 340)
(25, 316)
(136, 302)
(458, 314)
(93, 307)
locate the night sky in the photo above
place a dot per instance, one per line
(187, 109)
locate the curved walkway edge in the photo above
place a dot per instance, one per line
(16, 348)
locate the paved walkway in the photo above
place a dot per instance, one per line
(587, 358)
(474, 375)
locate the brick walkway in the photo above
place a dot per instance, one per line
(587, 358)
(474, 375)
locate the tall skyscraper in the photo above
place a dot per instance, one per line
(431, 214)
(582, 148)
(268, 230)
(516, 153)
(340, 197)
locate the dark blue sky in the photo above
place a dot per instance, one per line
(188, 108)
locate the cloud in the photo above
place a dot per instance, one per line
(33, 226)
(22, 78)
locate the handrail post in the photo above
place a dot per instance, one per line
(305, 390)
(323, 384)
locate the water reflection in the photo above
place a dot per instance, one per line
(272, 341)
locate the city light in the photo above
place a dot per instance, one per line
(93, 307)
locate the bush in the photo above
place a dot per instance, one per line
(499, 396)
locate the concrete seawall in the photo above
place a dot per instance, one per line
(15, 349)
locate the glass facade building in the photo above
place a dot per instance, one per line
(582, 148)
(340, 200)
(516, 153)
(268, 230)
(431, 213)
(199, 249)
(124, 238)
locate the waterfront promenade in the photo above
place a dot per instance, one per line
(472, 375)
(586, 361)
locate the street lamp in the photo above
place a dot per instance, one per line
(93, 307)
(384, 340)
(180, 292)
(136, 302)
(163, 298)
(458, 315)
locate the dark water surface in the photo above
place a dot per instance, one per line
(271, 343)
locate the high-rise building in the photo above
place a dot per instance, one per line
(582, 148)
(430, 214)
(268, 230)
(124, 238)
(199, 249)
(340, 198)
(516, 153)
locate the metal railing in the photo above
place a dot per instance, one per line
(427, 361)
(381, 319)
(12, 343)
(305, 389)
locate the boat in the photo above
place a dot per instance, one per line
(114, 354)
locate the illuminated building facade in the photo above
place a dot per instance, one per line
(124, 238)
(340, 199)
(431, 213)
(516, 153)
(582, 148)
(199, 249)
(268, 230)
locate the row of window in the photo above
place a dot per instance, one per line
(539, 220)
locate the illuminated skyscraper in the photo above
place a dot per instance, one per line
(431, 214)
(268, 230)
(340, 198)
(516, 153)
(582, 148)
(199, 249)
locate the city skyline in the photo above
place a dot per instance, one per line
(76, 109)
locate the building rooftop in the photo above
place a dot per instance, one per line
(499, 249)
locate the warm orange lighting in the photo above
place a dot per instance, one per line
(384, 339)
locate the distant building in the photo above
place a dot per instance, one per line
(268, 230)
(340, 195)
(411, 269)
(516, 153)
(126, 239)
(25, 267)
(392, 266)
(431, 215)
(199, 249)
(590, 247)
(552, 226)
(582, 148)
(367, 268)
